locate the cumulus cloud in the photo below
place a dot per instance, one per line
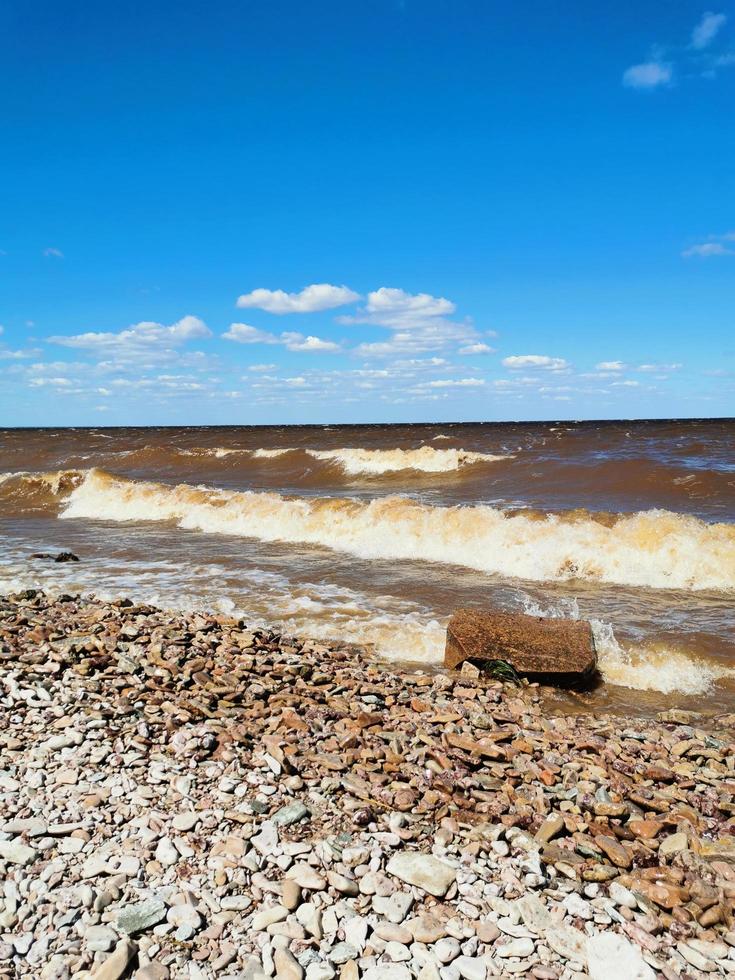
(395, 308)
(477, 349)
(648, 75)
(261, 368)
(521, 361)
(707, 29)
(146, 334)
(311, 299)
(419, 322)
(243, 333)
(611, 366)
(297, 342)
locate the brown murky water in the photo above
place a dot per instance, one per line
(375, 533)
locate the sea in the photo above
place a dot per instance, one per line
(374, 534)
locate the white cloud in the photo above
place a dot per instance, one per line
(521, 361)
(243, 333)
(649, 74)
(459, 383)
(611, 366)
(17, 355)
(477, 349)
(625, 384)
(706, 250)
(53, 253)
(396, 308)
(140, 336)
(50, 382)
(707, 29)
(262, 368)
(297, 342)
(418, 321)
(654, 368)
(312, 299)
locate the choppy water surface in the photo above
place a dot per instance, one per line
(376, 533)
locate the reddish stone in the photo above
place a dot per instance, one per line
(555, 650)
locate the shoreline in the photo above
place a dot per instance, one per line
(183, 797)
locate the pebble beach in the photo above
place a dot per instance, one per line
(182, 796)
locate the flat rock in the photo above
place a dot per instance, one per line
(14, 852)
(555, 650)
(140, 916)
(423, 870)
(607, 948)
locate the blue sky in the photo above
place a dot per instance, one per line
(394, 210)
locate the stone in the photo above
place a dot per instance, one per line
(617, 852)
(290, 894)
(556, 650)
(571, 944)
(135, 918)
(394, 907)
(387, 971)
(396, 952)
(290, 814)
(342, 953)
(423, 870)
(287, 966)
(15, 852)
(310, 917)
(235, 903)
(166, 852)
(622, 895)
(470, 967)
(673, 844)
(551, 827)
(116, 965)
(320, 971)
(185, 821)
(663, 893)
(100, 939)
(607, 948)
(534, 914)
(516, 947)
(186, 919)
(307, 877)
(267, 916)
(446, 950)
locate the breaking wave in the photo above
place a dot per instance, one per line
(655, 548)
(371, 462)
(640, 666)
(652, 667)
(425, 460)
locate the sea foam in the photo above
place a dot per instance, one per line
(656, 548)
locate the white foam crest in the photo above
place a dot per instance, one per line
(654, 548)
(426, 459)
(218, 452)
(271, 453)
(652, 667)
